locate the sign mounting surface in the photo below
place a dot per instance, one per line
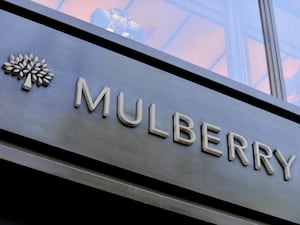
(241, 133)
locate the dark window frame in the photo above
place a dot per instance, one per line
(272, 49)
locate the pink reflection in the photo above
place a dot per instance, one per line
(120, 22)
(291, 71)
(49, 3)
(258, 66)
(162, 17)
(221, 67)
(201, 46)
(84, 9)
(287, 22)
(179, 31)
(290, 67)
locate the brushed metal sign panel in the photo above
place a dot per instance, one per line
(49, 115)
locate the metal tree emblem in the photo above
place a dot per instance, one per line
(29, 67)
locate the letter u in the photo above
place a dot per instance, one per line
(121, 114)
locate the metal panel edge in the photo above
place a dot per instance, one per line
(122, 188)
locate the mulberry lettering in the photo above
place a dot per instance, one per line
(184, 132)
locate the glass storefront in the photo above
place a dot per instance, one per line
(223, 36)
(287, 20)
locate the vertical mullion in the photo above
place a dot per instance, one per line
(272, 49)
(234, 42)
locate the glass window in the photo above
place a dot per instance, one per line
(223, 36)
(287, 18)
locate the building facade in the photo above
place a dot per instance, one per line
(135, 110)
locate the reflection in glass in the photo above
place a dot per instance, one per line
(117, 21)
(287, 20)
(223, 36)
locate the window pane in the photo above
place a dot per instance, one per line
(223, 36)
(287, 19)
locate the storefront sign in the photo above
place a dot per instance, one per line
(35, 71)
(115, 109)
(184, 134)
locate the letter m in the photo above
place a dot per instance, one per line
(83, 88)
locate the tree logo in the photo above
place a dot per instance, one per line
(29, 67)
